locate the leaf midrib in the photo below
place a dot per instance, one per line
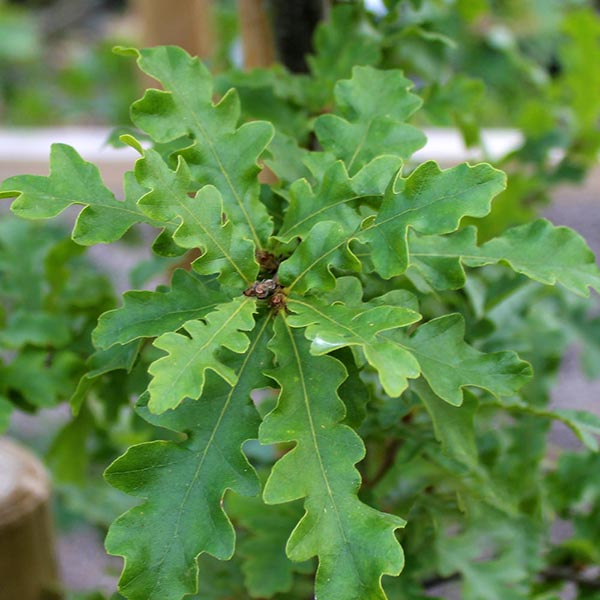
(313, 432)
(195, 119)
(357, 233)
(203, 455)
(206, 344)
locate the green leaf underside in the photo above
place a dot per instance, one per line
(203, 221)
(585, 425)
(183, 483)
(181, 374)
(355, 543)
(454, 426)
(369, 128)
(146, 314)
(429, 201)
(222, 154)
(74, 181)
(335, 326)
(101, 362)
(539, 250)
(331, 198)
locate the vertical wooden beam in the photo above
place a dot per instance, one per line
(256, 33)
(28, 568)
(185, 23)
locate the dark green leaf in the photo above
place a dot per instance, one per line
(355, 543)
(150, 314)
(449, 364)
(184, 482)
(73, 181)
(429, 201)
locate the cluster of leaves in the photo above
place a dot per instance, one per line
(347, 319)
(475, 63)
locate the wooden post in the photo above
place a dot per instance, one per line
(256, 33)
(185, 23)
(27, 563)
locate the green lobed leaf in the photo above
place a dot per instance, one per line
(585, 425)
(73, 181)
(224, 249)
(40, 380)
(100, 363)
(334, 326)
(355, 543)
(453, 425)
(341, 42)
(147, 314)
(203, 223)
(181, 374)
(331, 198)
(221, 153)
(183, 483)
(545, 253)
(36, 328)
(430, 201)
(370, 127)
(449, 364)
(539, 250)
(325, 246)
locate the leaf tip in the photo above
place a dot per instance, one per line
(132, 142)
(126, 51)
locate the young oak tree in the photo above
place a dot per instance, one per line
(344, 287)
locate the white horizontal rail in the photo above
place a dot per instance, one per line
(33, 145)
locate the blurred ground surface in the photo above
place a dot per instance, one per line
(579, 209)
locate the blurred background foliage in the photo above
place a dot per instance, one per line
(57, 65)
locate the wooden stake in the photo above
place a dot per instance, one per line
(185, 23)
(27, 562)
(256, 32)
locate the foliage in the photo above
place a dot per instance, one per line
(475, 64)
(353, 292)
(329, 401)
(51, 298)
(48, 79)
